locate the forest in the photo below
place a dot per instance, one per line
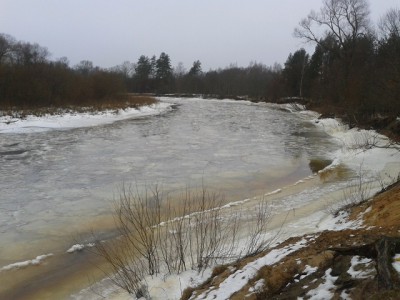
(355, 68)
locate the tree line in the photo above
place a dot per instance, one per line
(355, 67)
(29, 79)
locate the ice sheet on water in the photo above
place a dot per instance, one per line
(23, 264)
(79, 247)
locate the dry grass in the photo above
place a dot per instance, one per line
(122, 101)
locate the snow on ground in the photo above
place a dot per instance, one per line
(396, 262)
(351, 139)
(323, 291)
(239, 279)
(356, 272)
(69, 120)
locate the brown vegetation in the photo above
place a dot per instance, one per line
(332, 251)
(121, 101)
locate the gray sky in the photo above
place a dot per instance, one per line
(217, 32)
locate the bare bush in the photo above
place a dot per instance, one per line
(159, 236)
(123, 267)
(355, 193)
(137, 217)
(366, 140)
(255, 242)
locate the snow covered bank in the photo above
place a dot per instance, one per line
(352, 141)
(70, 120)
(240, 278)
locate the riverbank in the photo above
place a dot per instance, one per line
(314, 217)
(359, 261)
(336, 259)
(358, 257)
(116, 103)
(37, 120)
(388, 125)
(302, 195)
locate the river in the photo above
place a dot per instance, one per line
(56, 186)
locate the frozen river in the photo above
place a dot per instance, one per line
(56, 183)
(53, 179)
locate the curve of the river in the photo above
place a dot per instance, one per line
(56, 183)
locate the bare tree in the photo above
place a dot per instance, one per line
(7, 43)
(126, 69)
(179, 70)
(27, 53)
(389, 24)
(85, 67)
(345, 20)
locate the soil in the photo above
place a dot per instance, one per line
(332, 253)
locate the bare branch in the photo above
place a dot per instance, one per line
(344, 19)
(389, 24)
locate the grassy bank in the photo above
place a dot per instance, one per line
(121, 101)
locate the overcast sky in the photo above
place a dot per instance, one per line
(216, 32)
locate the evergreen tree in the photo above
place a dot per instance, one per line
(294, 73)
(143, 71)
(195, 70)
(164, 74)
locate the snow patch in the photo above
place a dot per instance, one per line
(339, 222)
(396, 262)
(258, 286)
(323, 291)
(332, 126)
(308, 270)
(240, 278)
(360, 273)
